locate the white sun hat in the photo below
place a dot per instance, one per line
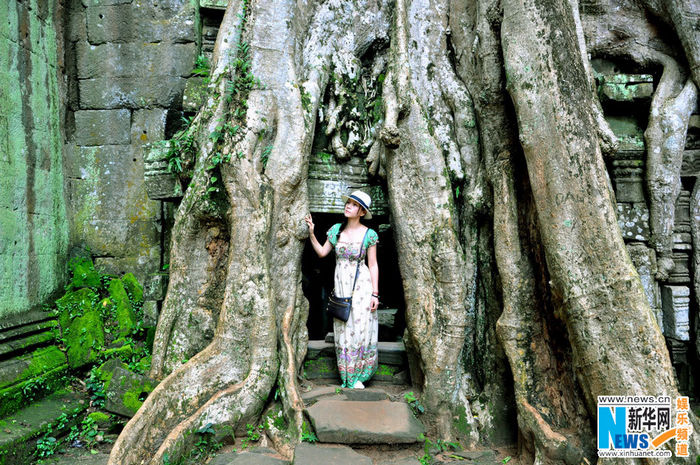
(363, 199)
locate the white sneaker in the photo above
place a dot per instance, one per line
(358, 385)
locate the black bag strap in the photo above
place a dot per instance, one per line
(357, 271)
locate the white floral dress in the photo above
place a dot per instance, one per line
(356, 339)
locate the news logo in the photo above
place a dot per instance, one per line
(638, 426)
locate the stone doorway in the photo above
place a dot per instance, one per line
(317, 280)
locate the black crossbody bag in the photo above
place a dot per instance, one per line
(339, 307)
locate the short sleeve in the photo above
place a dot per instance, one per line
(371, 239)
(333, 234)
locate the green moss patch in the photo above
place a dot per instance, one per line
(84, 274)
(125, 315)
(133, 289)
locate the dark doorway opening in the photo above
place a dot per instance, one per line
(317, 280)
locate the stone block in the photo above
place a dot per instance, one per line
(110, 186)
(691, 163)
(247, 458)
(89, 3)
(150, 313)
(156, 91)
(148, 125)
(676, 307)
(644, 259)
(680, 273)
(629, 132)
(310, 454)
(134, 59)
(167, 21)
(625, 87)
(633, 220)
(160, 182)
(628, 177)
(76, 25)
(214, 4)
(372, 422)
(126, 391)
(102, 127)
(141, 264)
(195, 94)
(156, 287)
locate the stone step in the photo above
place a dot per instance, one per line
(320, 362)
(252, 457)
(337, 393)
(21, 334)
(364, 422)
(312, 454)
(390, 353)
(19, 432)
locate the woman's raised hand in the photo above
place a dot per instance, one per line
(309, 223)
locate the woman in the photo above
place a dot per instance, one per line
(356, 339)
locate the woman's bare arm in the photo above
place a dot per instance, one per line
(321, 250)
(374, 275)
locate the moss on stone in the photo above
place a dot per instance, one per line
(100, 418)
(106, 370)
(126, 318)
(84, 274)
(133, 288)
(84, 339)
(132, 398)
(74, 304)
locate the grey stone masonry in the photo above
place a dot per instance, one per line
(633, 219)
(161, 184)
(167, 20)
(676, 305)
(134, 59)
(148, 125)
(102, 127)
(109, 92)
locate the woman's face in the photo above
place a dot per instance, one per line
(353, 209)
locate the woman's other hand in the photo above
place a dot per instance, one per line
(374, 304)
(309, 223)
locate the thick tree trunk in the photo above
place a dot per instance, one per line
(234, 320)
(602, 298)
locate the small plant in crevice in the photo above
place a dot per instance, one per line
(265, 156)
(414, 403)
(253, 434)
(202, 67)
(306, 434)
(431, 448)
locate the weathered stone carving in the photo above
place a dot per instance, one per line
(161, 184)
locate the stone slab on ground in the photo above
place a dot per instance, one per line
(79, 458)
(367, 422)
(19, 431)
(478, 456)
(338, 393)
(246, 458)
(404, 461)
(309, 454)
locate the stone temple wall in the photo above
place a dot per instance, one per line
(33, 220)
(127, 63)
(626, 98)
